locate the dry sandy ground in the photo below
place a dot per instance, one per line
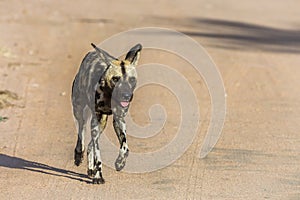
(256, 47)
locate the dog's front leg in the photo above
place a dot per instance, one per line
(120, 129)
(98, 124)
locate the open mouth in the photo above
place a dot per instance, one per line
(124, 103)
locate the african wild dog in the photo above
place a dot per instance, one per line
(104, 85)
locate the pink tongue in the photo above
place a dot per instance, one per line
(124, 103)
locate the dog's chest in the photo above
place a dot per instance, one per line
(103, 102)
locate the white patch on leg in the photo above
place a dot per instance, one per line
(97, 174)
(98, 156)
(82, 137)
(96, 128)
(91, 156)
(123, 150)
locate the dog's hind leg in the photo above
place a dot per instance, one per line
(98, 124)
(120, 129)
(78, 112)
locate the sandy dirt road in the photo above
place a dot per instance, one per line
(256, 48)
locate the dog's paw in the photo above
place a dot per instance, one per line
(98, 180)
(121, 161)
(78, 157)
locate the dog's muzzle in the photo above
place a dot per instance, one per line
(123, 94)
(126, 98)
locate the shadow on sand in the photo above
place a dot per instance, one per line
(242, 35)
(19, 163)
(238, 35)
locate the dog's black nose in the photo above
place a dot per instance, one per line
(126, 96)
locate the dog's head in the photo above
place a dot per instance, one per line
(120, 78)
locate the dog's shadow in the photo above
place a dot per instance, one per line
(19, 163)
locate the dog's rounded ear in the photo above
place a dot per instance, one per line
(133, 54)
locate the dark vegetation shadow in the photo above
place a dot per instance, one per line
(242, 35)
(238, 35)
(19, 163)
(246, 160)
(237, 159)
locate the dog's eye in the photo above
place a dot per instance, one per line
(132, 80)
(116, 79)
